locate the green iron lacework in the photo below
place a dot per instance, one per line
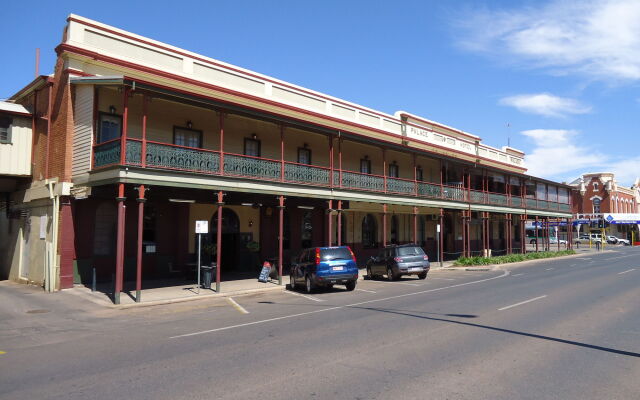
(107, 154)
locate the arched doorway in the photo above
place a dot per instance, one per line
(230, 239)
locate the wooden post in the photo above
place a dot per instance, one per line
(280, 236)
(415, 225)
(339, 222)
(120, 244)
(329, 223)
(384, 225)
(220, 203)
(125, 124)
(221, 147)
(145, 111)
(537, 235)
(281, 153)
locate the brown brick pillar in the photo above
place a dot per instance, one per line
(66, 243)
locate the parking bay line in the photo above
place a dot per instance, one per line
(303, 295)
(263, 321)
(237, 306)
(624, 272)
(517, 275)
(548, 269)
(396, 283)
(522, 302)
(365, 290)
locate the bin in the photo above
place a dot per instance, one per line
(207, 275)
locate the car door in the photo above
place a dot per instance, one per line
(299, 267)
(378, 264)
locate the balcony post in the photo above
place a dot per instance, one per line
(221, 118)
(329, 222)
(280, 236)
(340, 158)
(384, 225)
(331, 161)
(145, 111)
(384, 168)
(339, 223)
(125, 124)
(219, 203)
(141, 200)
(281, 153)
(468, 191)
(441, 182)
(415, 225)
(119, 244)
(415, 176)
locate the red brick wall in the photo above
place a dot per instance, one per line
(61, 145)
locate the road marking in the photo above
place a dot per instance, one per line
(517, 275)
(263, 321)
(303, 295)
(2, 352)
(398, 283)
(237, 306)
(548, 269)
(364, 290)
(442, 279)
(573, 265)
(624, 272)
(522, 302)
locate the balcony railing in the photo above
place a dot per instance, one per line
(181, 158)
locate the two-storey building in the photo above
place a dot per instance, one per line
(151, 138)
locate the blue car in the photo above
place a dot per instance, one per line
(323, 267)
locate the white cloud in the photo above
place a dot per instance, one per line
(626, 171)
(599, 39)
(556, 154)
(545, 104)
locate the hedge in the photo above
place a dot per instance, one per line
(465, 261)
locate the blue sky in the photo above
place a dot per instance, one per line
(559, 79)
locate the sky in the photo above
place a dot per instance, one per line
(557, 79)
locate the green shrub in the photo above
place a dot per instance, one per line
(511, 258)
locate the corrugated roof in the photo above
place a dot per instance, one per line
(13, 108)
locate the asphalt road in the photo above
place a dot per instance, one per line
(558, 329)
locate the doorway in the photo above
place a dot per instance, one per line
(230, 240)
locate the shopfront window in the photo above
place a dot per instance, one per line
(369, 230)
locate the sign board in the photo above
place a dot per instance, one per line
(438, 228)
(264, 273)
(202, 226)
(626, 218)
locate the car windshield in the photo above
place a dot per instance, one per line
(336, 253)
(410, 251)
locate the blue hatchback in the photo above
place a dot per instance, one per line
(324, 267)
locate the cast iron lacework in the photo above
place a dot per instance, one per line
(162, 156)
(476, 197)
(305, 173)
(516, 201)
(134, 150)
(452, 193)
(564, 207)
(543, 204)
(531, 203)
(500, 199)
(107, 154)
(429, 190)
(399, 186)
(251, 167)
(360, 181)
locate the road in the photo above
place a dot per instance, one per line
(555, 329)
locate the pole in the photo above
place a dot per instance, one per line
(280, 236)
(339, 222)
(120, 244)
(218, 241)
(440, 238)
(384, 225)
(141, 201)
(537, 235)
(329, 223)
(199, 253)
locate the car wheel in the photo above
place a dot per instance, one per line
(369, 274)
(390, 275)
(308, 284)
(292, 282)
(533, 241)
(422, 275)
(351, 285)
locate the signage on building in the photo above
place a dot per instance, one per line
(202, 226)
(622, 218)
(417, 133)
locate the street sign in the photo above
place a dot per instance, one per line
(202, 226)
(264, 273)
(438, 228)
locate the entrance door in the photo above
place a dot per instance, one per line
(230, 239)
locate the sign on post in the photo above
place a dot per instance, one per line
(202, 227)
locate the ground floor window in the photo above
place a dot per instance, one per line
(369, 230)
(307, 229)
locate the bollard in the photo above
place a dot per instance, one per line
(93, 280)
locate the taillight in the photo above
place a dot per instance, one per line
(398, 259)
(317, 256)
(353, 256)
(425, 257)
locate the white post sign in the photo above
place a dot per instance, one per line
(202, 227)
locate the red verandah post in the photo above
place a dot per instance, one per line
(119, 244)
(280, 236)
(220, 203)
(141, 200)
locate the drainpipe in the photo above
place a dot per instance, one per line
(52, 268)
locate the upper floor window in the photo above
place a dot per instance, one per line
(596, 206)
(419, 174)
(252, 147)
(5, 129)
(304, 155)
(109, 127)
(595, 186)
(187, 137)
(393, 170)
(365, 166)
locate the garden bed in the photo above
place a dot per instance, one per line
(466, 261)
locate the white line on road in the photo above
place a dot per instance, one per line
(262, 321)
(517, 274)
(548, 269)
(624, 272)
(303, 295)
(521, 303)
(442, 279)
(397, 283)
(365, 290)
(237, 306)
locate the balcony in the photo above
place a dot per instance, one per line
(172, 157)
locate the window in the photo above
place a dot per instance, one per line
(365, 166)
(419, 174)
(369, 231)
(307, 229)
(595, 186)
(304, 155)
(5, 129)
(393, 170)
(187, 137)
(251, 147)
(109, 127)
(149, 225)
(596, 206)
(541, 191)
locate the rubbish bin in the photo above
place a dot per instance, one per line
(207, 275)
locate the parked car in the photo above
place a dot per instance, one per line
(323, 267)
(395, 261)
(616, 240)
(585, 238)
